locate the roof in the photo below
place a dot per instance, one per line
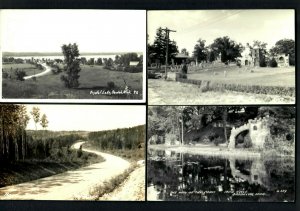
(181, 55)
(133, 63)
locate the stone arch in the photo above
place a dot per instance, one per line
(246, 62)
(281, 59)
(240, 138)
(235, 132)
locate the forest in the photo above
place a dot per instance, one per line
(126, 142)
(17, 144)
(168, 123)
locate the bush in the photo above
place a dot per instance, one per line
(273, 63)
(292, 60)
(289, 137)
(262, 62)
(55, 69)
(136, 69)
(171, 138)
(20, 74)
(4, 74)
(218, 141)
(111, 85)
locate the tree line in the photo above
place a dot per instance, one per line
(125, 138)
(228, 49)
(18, 144)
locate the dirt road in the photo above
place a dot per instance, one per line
(47, 70)
(132, 189)
(68, 185)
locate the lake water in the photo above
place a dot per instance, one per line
(175, 176)
(62, 57)
(112, 56)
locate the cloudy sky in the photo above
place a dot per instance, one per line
(92, 30)
(243, 26)
(90, 117)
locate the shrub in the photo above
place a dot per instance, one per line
(4, 74)
(55, 69)
(136, 69)
(289, 137)
(111, 85)
(20, 74)
(262, 62)
(170, 138)
(273, 63)
(218, 141)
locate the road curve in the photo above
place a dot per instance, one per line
(70, 184)
(47, 70)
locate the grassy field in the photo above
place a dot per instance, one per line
(264, 76)
(161, 92)
(28, 68)
(91, 79)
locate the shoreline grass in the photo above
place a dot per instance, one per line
(221, 151)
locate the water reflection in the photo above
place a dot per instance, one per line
(177, 176)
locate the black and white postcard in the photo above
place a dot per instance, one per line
(71, 55)
(72, 152)
(221, 153)
(221, 57)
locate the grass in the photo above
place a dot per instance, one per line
(110, 185)
(161, 92)
(28, 68)
(263, 76)
(132, 155)
(28, 170)
(91, 79)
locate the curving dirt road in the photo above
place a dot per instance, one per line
(68, 185)
(47, 70)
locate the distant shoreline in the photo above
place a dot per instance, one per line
(24, 54)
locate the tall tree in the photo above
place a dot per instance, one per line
(44, 121)
(229, 49)
(158, 50)
(72, 65)
(13, 121)
(35, 113)
(184, 51)
(200, 51)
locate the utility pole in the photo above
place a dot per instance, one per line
(167, 49)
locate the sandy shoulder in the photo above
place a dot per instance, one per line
(132, 189)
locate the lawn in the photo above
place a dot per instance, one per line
(91, 79)
(264, 76)
(161, 92)
(28, 68)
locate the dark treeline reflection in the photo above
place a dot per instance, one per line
(177, 176)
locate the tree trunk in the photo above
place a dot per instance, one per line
(224, 124)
